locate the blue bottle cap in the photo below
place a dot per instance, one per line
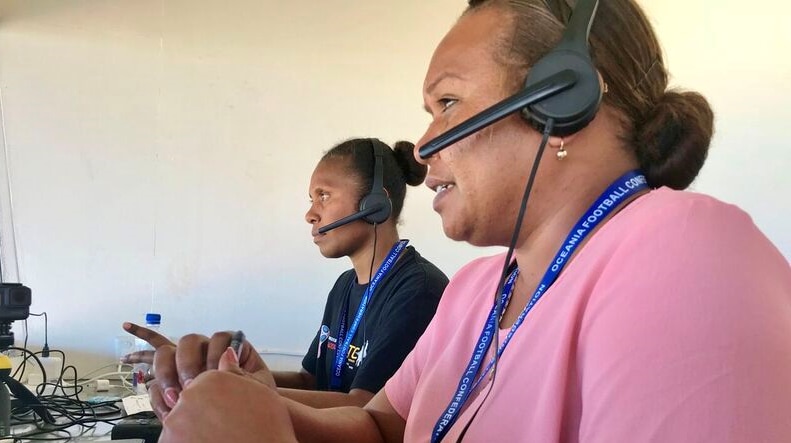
(153, 318)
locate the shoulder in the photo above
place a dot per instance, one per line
(670, 301)
(667, 221)
(415, 268)
(342, 282)
(345, 278)
(676, 211)
(673, 249)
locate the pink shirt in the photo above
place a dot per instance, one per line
(672, 324)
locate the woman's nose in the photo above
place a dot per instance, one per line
(312, 216)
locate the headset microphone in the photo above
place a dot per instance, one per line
(562, 86)
(346, 220)
(375, 207)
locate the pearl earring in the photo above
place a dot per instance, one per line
(562, 153)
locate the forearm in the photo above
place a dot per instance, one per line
(294, 380)
(326, 399)
(340, 425)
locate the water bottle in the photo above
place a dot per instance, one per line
(142, 370)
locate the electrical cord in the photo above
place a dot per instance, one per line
(370, 277)
(123, 376)
(24, 345)
(20, 371)
(45, 348)
(72, 415)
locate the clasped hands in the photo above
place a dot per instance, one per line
(202, 392)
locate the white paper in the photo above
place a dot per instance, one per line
(137, 403)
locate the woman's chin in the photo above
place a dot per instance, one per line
(454, 230)
(464, 232)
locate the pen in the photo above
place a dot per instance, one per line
(236, 343)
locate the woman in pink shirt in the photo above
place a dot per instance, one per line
(630, 310)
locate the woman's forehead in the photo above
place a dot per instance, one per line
(334, 171)
(468, 47)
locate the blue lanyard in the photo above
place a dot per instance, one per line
(345, 338)
(621, 189)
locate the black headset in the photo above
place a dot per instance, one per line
(377, 199)
(562, 86)
(375, 207)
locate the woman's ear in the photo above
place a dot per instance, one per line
(604, 88)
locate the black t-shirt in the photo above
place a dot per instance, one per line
(397, 314)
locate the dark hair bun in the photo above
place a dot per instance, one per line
(673, 140)
(414, 172)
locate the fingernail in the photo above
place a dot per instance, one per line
(232, 355)
(171, 397)
(187, 382)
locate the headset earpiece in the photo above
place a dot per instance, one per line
(572, 109)
(378, 196)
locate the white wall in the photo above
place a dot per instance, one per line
(158, 152)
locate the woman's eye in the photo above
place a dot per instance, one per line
(446, 103)
(320, 197)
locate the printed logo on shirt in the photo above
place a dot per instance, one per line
(356, 355)
(324, 334)
(331, 342)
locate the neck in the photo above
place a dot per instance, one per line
(577, 185)
(536, 250)
(387, 236)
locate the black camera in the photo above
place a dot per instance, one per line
(14, 302)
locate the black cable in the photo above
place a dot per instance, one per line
(506, 264)
(68, 409)
(27, 355)
(24, 344)
(368, 287)
(81, 414)
(45, 348)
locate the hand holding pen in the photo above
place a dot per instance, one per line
(176, 365)
(227, 395)
(235, 352)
